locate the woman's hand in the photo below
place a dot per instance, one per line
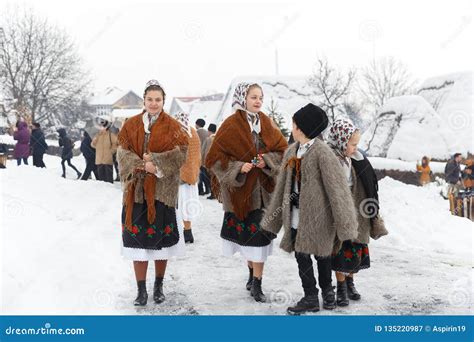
(246, 168)
(150, 167)
(261, 164)
(147, 157)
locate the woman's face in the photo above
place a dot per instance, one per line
(153, 102)
(254, 100)
(352, 144)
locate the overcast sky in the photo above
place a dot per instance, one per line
(195, 48)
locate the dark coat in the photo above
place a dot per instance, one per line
(66, 143)
(87, 150)
(37, 141)
(452, 171)
(365, 195)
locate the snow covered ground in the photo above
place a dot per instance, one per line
(61, 255)
(401, 165)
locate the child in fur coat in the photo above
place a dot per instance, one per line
(313, 203)
(360, 176)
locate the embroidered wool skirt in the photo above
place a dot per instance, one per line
(351, 258)
(158, 241)
(246, 237)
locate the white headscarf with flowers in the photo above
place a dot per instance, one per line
(183, 119)
(239, 102)
(339, 135)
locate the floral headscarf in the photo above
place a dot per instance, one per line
(239, 102)
(339, 134)
(183, 119)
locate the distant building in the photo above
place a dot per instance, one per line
(116, 103)
(182, 104)
(205, 107)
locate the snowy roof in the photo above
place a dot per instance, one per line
(205, 107)
(107, 97)
(407, 128)
(452, 96)
(289, 94)
(206, 110)
(182, 104)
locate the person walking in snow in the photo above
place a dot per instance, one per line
(452, 173)
(361, 179)
(468, 175)
(89, 155)
(188, 197)
(38, 145)
(244, 159)
(152, 149)
(105, 144)
(115, 131)
(205, 150)
(424, 170)
(66, 155)
(204, 184)
(314, 205)
(21, 134)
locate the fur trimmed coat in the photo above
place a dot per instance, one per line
(168, 162)
(327, 212)
(232, 178)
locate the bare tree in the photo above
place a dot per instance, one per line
(384, 78)
(40, 68)
(331, 86)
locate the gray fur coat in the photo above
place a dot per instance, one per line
(365, 229)
(327, 213)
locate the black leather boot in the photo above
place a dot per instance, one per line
(248, 286)
(353, 294)
(342, 295)
(329, 298)
(142, 296)
(158, 295)
(188, 236)
(309, 303)
(256, 290)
